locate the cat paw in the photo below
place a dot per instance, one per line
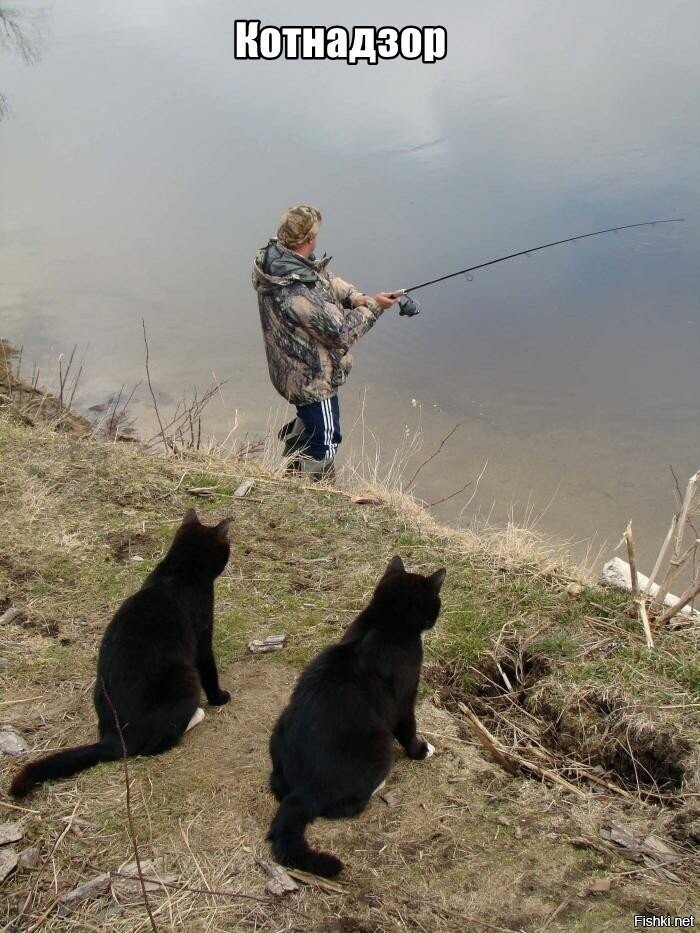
(221, 698)
(197, 717)
(425, 750)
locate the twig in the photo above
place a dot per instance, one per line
(179, 886)
(432, 456)
(184, 887)
(451, 496)
(153, 395)
(687, 597)
(13, 806)
(637, 597)
(25, 700)
(128, 802)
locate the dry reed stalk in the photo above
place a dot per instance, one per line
(637, 597)
(677, 561)
(662, 554)
(685, 508)
(674, 567)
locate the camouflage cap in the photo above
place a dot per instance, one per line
(298, 224)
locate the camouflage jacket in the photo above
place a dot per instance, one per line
(308, 323)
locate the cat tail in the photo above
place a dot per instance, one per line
(63, 764)
(289, 846)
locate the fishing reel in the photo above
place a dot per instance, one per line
(408, 307)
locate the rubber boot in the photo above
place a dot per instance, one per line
(293, 436)
(317, 470)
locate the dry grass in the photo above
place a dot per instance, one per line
(468, 846)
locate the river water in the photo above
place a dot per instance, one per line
(142, 166)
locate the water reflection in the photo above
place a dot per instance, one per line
(143, 166)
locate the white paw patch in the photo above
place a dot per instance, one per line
(378, 788)
(431, 750)
(197, 717)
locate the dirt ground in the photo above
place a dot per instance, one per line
(465, 845)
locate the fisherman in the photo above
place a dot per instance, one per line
(310, 319)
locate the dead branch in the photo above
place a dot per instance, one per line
(432, 456)
(687, 597)
(507, 759)
(451, 496)
(153, 395)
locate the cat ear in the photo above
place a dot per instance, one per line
(395, 565)
(437, 579)
(190, 518)
(221, 530)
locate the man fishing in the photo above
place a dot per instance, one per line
(310, 319)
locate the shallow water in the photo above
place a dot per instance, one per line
(142, 166)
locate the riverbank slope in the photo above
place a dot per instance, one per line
(597, 732)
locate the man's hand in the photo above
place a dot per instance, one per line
(383, 299)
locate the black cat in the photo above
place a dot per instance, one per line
(331, 748)
(155, 654)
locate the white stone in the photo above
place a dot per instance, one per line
(12, 743)
(616, 572)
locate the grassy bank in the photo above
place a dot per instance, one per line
(559, 676)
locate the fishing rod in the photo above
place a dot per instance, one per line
(410, 307)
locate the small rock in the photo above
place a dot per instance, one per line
(518, 833)
(95, 887)
(30, 857)
(10, 832)
(153, 869)
(574, 590)
(12, 743)
(8, 862)
(503, 821)
(271, 643)
(10, 615)
(391, 798)
(136, 559)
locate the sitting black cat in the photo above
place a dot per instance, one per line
(154, 655)
(331, 748)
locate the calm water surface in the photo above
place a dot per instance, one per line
(142, 166)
